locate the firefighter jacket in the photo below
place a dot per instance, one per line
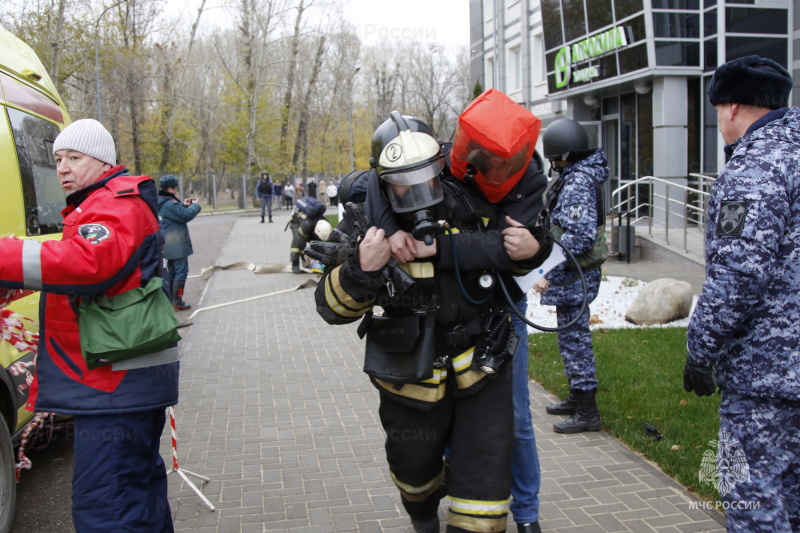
(111, 243)
(441, 285)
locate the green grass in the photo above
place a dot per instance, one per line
(641, 380)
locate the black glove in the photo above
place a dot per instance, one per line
(698, 378)
(330, 254)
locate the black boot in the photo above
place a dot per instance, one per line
(586, 417)
(177, 295)
(296, 265)
(532, 527)
(567, 407)
(262, 220)
(426, 526)
(270, 219)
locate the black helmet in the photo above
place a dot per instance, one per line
(354, 187)
(408, 160)
(565, 140)
(390, 129)
(264, 173)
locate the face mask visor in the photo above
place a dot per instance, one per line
(415, 189)
(495, 169)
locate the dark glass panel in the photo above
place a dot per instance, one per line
(626, 8)
(645, 134)
(748, 20)
(551, 24)
(709, 3)
(749, 2)
(775, 49)
(709, 131)
(635, 29)
(671, 54)
(607, 65)
(627, 160)
(632, 59)
(711, 62)
(574, 19)
(600, 15)
(710, 23)
(676, 4)
(694, 108)
(676, 25)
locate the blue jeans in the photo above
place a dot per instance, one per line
(525, 475)
(178, 269)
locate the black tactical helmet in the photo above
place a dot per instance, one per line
(354, 187)
(565, 140)
(390, 129)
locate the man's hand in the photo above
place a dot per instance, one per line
(518, 241)
(541, 285)
(404, 247)
(374, 250)
(423, 250)
(698, 378)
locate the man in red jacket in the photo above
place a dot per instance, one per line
(111, 243)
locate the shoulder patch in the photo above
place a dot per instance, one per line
(575, 212)
(732, 214)
(94, 233)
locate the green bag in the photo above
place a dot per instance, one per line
(594, 257)
(137, 322)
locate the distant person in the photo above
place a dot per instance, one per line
(288, 195)
(323, 191)
(744, 334)
(333, 193)
(575, 204)
(312, 189)
(175, 214)
(264, 192)
(277, 193)
(306, 225)
(111, 245)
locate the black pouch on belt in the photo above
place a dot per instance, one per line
(401, 349)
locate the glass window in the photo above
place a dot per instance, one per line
(709, 3)
(635, 29)
(710, 52)
(674, 54)
(600, 15)
(516, 68)
(694, 109)
(632, 59)
(626, 8)
(750, 2)
(748, 20)
(607, 65)
(644, 134)
(710, 23)
(775, 49)
(709, 132)
(551, 24)
(539, 70)
(677, 25)
(574, 19)
(41, 191)
(627, 140)
(676, 4)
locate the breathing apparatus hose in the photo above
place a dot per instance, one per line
(511, 303)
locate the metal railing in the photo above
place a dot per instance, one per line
(648, 197)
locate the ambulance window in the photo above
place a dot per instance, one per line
(41, 192)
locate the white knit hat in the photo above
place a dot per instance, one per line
(89, 137)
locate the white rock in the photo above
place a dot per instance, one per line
(660, 302)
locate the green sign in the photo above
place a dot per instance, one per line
(591, 47)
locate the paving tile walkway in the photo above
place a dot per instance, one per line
(275, 410)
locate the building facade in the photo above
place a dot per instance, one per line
(634, 72)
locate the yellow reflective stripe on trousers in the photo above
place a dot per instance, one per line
(479, 507)
(421, 492)
(463, 361)
(418, 270)
(32, 264)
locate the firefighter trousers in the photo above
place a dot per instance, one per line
(479, 430)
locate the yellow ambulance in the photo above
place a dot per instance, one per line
(30, 204)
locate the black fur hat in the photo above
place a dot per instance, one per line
(751, 80)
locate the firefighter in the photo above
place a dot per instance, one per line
(449, 332)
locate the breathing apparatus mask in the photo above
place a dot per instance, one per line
(409, 162)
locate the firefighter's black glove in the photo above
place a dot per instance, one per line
(698, 378)
(330, 254)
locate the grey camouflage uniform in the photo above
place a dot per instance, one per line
(747, 321)
(576, 212)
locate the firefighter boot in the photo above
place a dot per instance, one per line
(532, 527)
(586, 417)
(567, 407)
(296, 264)
(270, 219)
(177, 295)
(426, 526)
(262, 219)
